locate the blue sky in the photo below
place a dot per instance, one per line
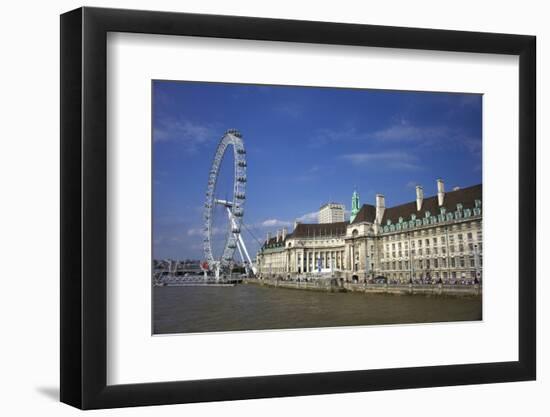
(305, 146)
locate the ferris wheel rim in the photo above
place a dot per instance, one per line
(234, 139)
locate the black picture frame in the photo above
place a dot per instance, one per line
(84, 207)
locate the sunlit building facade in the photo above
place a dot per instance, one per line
(331, 213)
(432, 239)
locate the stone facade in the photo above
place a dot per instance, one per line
(429, 239)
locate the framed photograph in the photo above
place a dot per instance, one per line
(256, 208)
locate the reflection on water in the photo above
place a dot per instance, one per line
(252, 307)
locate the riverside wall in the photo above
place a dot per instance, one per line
(335, 285)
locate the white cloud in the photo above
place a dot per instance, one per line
(293, 110)
(402, 132)
(311, 174)
(194, 232)
(432, 136)
(183, 131)
(394, 160)
(406, 132)
(327, 136)
(309, 217)
(275, 223)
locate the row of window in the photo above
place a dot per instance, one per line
(472, 248)
(434, 231)
(429, 220)
(453, 275)
(458, 262)
(442, 240)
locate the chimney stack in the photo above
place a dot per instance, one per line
(380, 207)
(440, 192)
(278, 235)
(268, 237)
(284, 233)
(419, 197)
(296, 223)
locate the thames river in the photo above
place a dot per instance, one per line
(254, 307)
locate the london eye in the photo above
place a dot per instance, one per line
(231, 205)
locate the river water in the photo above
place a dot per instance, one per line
(253, 307)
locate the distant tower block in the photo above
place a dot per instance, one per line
(355, 205)
(331, 213)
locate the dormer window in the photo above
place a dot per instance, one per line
(388, 222)
(478, 203)
(413, 216)
(459, 206)
(427, 214)
(443, 210)
(401, 220)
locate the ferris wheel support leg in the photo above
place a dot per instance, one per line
(240, 241)
(239, 246)
(246, 253)
(246, 261)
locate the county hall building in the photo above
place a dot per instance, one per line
(437, 238)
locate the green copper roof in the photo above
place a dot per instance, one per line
(355, 205)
